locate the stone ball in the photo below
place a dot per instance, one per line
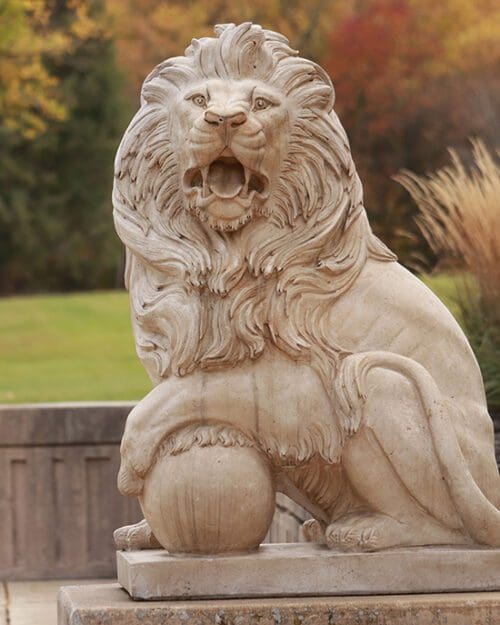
(209, 500)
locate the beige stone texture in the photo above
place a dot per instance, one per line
(96, 605)
(272, 321)
(302, 569)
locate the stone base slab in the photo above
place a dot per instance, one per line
(298, 569)
(110, 604)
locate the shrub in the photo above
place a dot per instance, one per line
(460, 219)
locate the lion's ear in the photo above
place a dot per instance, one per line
(155, 91)
(311, 85)
(322, 95)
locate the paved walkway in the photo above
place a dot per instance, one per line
(33, 603)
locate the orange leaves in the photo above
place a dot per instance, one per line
(381, 58)
(391, 53)
(413, 77)
(149, 31)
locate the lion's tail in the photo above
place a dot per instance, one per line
(480, 517)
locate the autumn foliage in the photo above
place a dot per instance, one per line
(31, 40)
(413, 78)
(149, 31)
(62, 114)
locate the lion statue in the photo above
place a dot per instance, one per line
(272, 320)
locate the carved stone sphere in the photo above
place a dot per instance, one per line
(209, 500)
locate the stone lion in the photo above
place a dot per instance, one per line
(264, 307)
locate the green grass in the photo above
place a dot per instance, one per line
(68, 347)
(80, 347)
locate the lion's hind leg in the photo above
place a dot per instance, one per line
(314, 531)
(395, 402)
(392, 466)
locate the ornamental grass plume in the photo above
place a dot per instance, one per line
(460, 219)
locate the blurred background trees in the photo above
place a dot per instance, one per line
(63, 111)
(413, 77)
(160, 29)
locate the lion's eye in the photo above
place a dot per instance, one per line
(200, 100)
(260, 104)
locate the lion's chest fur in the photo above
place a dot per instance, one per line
(183, 329)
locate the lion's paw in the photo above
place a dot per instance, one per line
(364, 532)
(135, 537)
(314, 532)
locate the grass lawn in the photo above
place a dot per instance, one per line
(68, 347)
(80, 347)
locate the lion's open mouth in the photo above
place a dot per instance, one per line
(225, 178)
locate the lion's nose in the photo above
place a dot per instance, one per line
(232, 120)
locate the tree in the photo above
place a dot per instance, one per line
(149, 31)
(56, 231)
(412, 78)
(28, 38)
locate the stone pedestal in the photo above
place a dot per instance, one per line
(110, 604)
(294, 584)
(292, 570)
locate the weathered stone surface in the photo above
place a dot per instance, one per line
(496, 421)
(303, 569)
(272, 320)
(70, 423)
(96, 605)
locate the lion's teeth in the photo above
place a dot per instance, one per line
(205, 192)
(247, 182)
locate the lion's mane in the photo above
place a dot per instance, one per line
(204, 298)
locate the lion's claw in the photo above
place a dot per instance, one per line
(313, 532)
(135, 537)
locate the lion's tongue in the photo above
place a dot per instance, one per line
(226, 179)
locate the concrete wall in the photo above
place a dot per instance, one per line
(58, 501)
